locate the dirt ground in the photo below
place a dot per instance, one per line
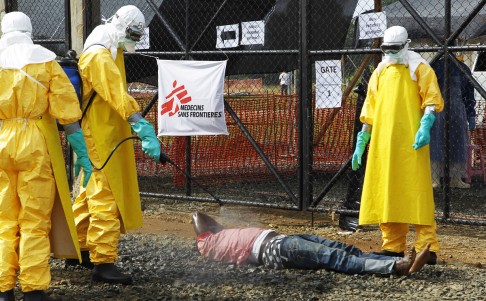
(460, 244)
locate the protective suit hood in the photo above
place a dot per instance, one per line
(117, 29)
(395, 45)
(16, 46)
(105, 36)
(128, 16)
(129, 20)
(16, 21)
(395, 48)
(18, 50)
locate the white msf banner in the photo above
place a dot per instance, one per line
(191, 98)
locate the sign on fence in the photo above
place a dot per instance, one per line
(227, 36)
(328, 84)
(191, 98)
(372, 25)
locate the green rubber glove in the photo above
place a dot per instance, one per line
(363, 139)
(78, 144)
(146, 132)
(422, 138)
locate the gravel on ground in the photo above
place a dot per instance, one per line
(165, 265)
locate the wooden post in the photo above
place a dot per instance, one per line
(77, 25)
(2, 9)
(377, 57)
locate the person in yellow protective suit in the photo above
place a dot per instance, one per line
(110, 203)
(35, 91)
(398, 113)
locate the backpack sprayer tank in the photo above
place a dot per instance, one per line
(69, 64)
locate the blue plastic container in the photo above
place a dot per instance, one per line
(74, 77)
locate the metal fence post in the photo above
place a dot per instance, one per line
(305, 112)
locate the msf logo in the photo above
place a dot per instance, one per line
(177, 97)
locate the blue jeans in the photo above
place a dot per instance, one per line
(304, 251)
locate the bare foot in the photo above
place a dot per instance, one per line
(413, 254)
(420, 260)
(403, 266)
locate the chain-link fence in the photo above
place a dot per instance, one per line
(289, 146)
(446, 37)
(50, 27)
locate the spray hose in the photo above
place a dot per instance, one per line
(113, 151)
(163, 159)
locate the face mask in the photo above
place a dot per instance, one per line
(393, 54)
(395, 57)
(127, 45)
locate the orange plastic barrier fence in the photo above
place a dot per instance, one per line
(272, 121)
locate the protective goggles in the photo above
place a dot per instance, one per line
(392, 48)
(134, 34)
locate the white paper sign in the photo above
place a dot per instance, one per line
(372, 25)
(328, 84)
(191, 99)
(145, 42)
(227, 36)
(252, 33)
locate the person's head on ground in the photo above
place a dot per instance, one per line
(204, 223)
(395, 44)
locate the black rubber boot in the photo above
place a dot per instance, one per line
(87, 264)
(432, 259)
(389, 253)
(109, 273)
(7, 296)
(39, 296)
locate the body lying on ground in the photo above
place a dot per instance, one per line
(299, 251)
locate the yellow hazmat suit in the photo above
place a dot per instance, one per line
(397, 188)
(111, 201)
(32, 169)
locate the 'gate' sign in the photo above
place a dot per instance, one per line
(328, 84)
